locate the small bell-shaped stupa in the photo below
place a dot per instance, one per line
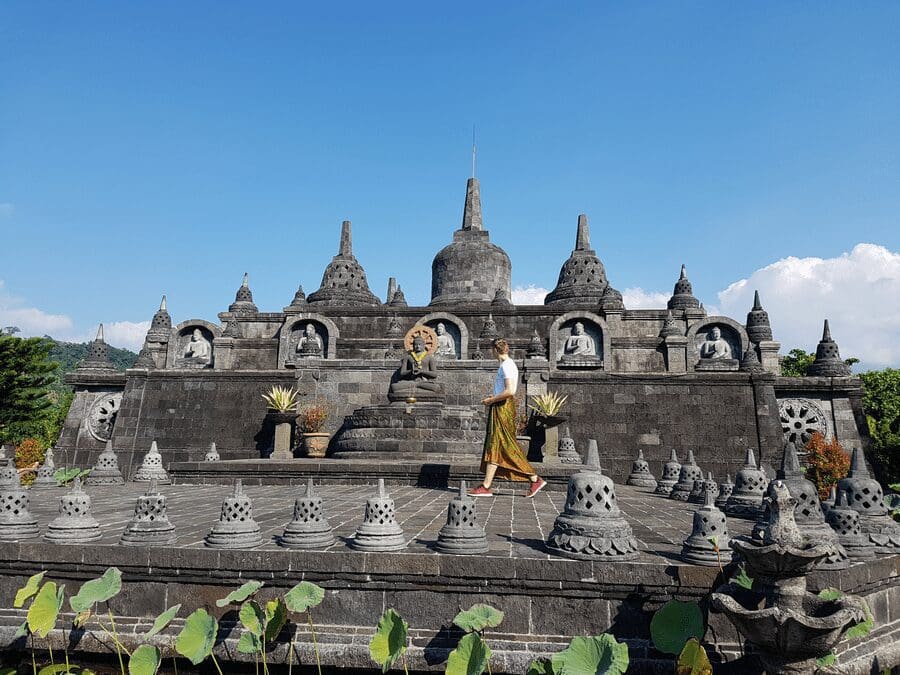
(44, 478)
(106, 469)
(689, 473)
(708, 543)
(212, 455)
(462, 534)
(683, 293)
(828, 362)
(750, 485)
(758, 327)
(75, 524)
(567, 452)
(640, 475)
(865, 496)
(16, 521)
(235, 527)
(845, 522)
(725, 490)
(243, 299)
(309, 530)
(151, 468)
(379, 531)
(150, 524)
(671, 471)
(592, 526)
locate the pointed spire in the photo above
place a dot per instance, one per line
(640, 454)
(690, 459)
(243, 299)
(757, 305)
(98, 354)
(381, 492)
(462, 489)
(99, 337)
(246, 282)
(392, 288)
(749, 459)
(162, 304)
(858, 468)
(790, 463)
(472, 210)
(310, 490)
(826, 332)
(346, 247)
(758, 327)
(583, 236)
(160, 325)
(238, 487)
(683, 275)
(593, 456)
(344, 280)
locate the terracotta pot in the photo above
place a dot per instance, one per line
(315, 445)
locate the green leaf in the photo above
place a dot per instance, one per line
(863, 628)
(253, 618)
(693, 660)
(240, 594)
(303, 596)
(21, 631)
(828, 660)
(598, 655)
(44, 610)
(249, 644)
(163, 620)
(9, 671)
(540, 667)
(144, 660)
(478, 617)
(58, 668)
(196, 639)
(389, 641)
(830, 594)
(895, 487)
(470, 657)
(29, 589)
(276, 617)
(97, 590)
(742, 580)
(674, 624)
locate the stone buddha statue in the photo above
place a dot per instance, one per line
(446, 347)
(417, 375)
(579, 344)
(310, 344)
(198, 348)
(715, 346)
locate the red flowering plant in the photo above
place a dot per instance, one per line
(827, 463)
(29, 455)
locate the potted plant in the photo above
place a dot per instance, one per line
(311, 421)
(281, 403)
(546, 409)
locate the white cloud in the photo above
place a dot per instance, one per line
(32, 321)
(638, 298)
(858, 292)
(529, 295)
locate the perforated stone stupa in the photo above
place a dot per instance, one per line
(344, 282)
(150, 524)
(462, 534)
(151, 468)
(845, 523)
(309, 529)
(236, 527)
(709, 525)
(749, 487)
(725, 490)
(671, 472)
(865, 496)
(640, 473)
(16, 521)
(582, 278)
(828, 361)
(567, 452)
(379, 532)
(689, 473)
(592, 526)
(106, 470)
(75, 523)
(44, 478)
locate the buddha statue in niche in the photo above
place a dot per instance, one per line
(310, 345)
(198, 347)
(579, 343)
(417, 375)
(446, 346)
(715, 346)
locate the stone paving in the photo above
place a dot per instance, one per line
(515, 526)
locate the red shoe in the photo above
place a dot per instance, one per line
(481, 491)
(536, 487)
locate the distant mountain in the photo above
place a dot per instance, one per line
(70, 354)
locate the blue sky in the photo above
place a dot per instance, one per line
(169, 147)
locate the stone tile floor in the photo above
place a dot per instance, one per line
(516, 526)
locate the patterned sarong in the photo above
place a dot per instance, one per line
(500, 445)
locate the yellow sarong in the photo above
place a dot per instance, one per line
(500, 445)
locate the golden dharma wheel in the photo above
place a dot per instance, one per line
(427, 334)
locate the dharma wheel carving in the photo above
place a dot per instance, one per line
(102, 416)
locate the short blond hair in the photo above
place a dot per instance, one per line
(501, 345)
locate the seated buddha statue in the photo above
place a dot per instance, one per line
(416, 376)
(715, 347)
(310, 344)
(579, 346)
(198, 347)
(446, 347)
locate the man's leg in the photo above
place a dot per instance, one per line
(489, 475)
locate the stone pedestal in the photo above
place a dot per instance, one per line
(283, 448)
(768, 356)
(551, 446)
(676, 353)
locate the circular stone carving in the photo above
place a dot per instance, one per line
(102, 416)
(428, 335)
(800, 418)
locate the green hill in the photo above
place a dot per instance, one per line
(70, 354)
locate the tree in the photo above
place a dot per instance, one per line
(881, 402)
(26, 373)
(796, 363)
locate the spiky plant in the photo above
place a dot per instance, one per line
(547, 405)
(281, 399)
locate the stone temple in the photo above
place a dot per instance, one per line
(636, 379)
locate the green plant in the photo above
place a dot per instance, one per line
(881, 403)
(677, 628)
(312, 418)
(601, 654)
(66, 476)
(742, 579)
(693, 660)
(547, 405)
(255, 619)
(197, 638)
(860, 629)
(302, 598)
(827, 463)
(390, 640)
(472, 655)
(42, 614)
(281, 399)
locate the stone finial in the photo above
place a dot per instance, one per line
(212, 455)
(150, 524)
(236, 527)
(462, 534)
(582, 278)
(671, 472)
(749, 487)
(106, 469)
(689, 473)
(501, 299)
(243, 299)
(398, 299)
(758, 327)
(309, 530)
(16, 521)
(683, 293)
(472, 210)
(670, 327)
(750, 361)
(160, 325)
(392, 288)
(151, 468)
(707, 544)
(98, 354)
(864, 495)
(489, 329)
(346, 246)
(75, 523)
(640, 473)
(379, 531)
(828, 361)
(592, 527)
(536, 349)
(299, 298)
(567, 452)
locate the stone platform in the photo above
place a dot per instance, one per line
(546, 599)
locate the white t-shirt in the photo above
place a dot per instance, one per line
(507, 371)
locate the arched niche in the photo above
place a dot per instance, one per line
(454, 327)
(184, 351)
(296, 335)
(565, 326)
(730, 332)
